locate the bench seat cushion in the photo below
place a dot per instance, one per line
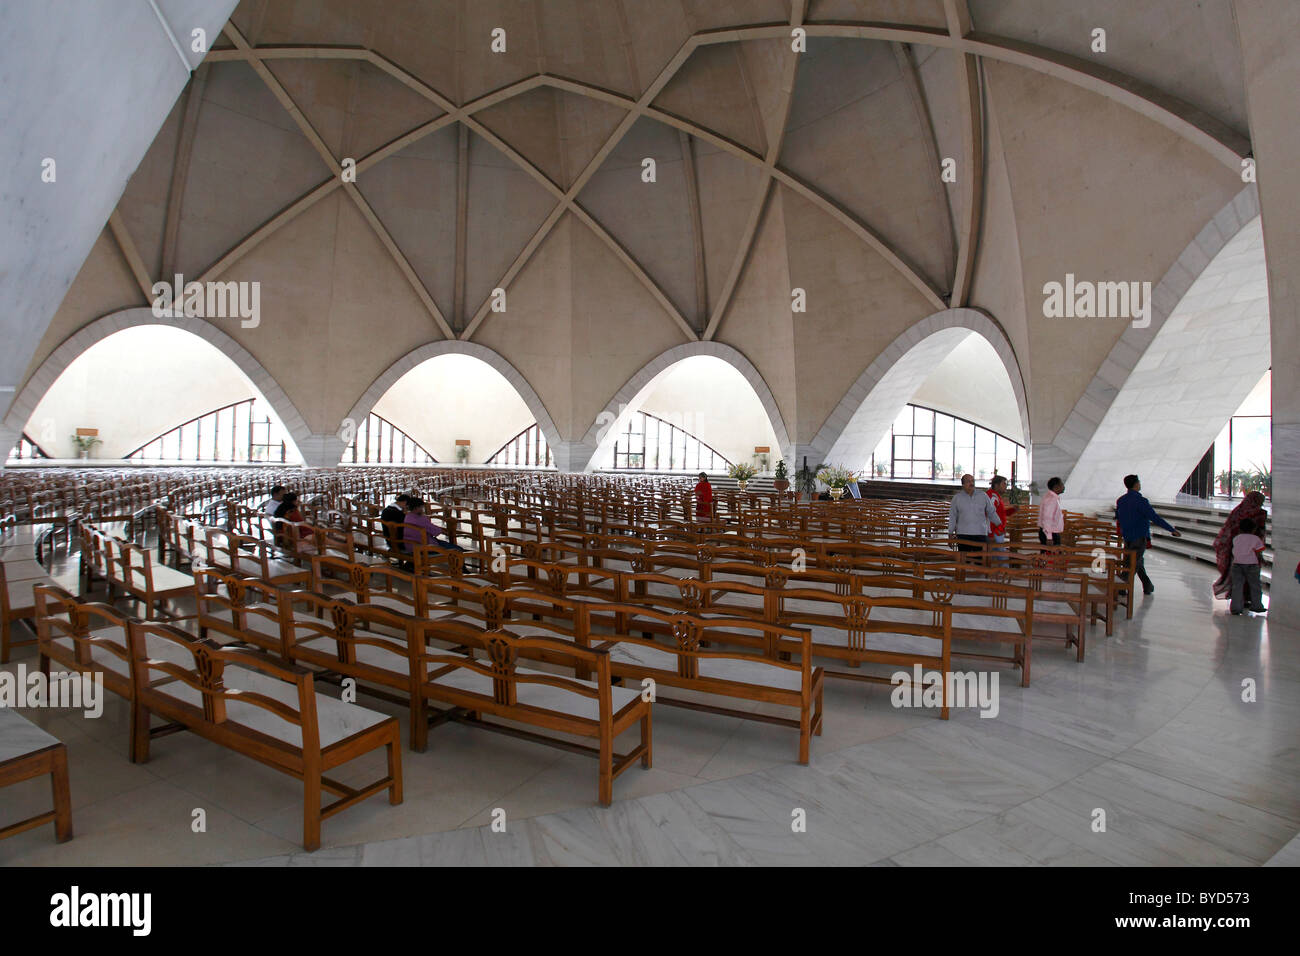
(21, 595)
(20, 737)
(23, 569)
(752, 671)
(101, 657)
(369, 654)
(541, 696)
(337, 719)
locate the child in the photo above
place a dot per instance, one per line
(1246, 549)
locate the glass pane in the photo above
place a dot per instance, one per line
(902, 446)
(922, 447)
(924, 420)
(882, 456)
(903, 423)
(943, 427)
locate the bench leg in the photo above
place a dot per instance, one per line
(817, 714)
(395, 768)
(805, 725)
(311, 812)
(62, 796)
(139, 752)
(419, 723)
(45, 668)
(606, 790)
(647, 738)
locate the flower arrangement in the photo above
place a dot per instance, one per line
(462, 453)
(781, 473)
(836, 476)
(742, 471)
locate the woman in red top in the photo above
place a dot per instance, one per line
(703, 499)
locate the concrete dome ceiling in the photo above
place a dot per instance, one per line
(587, 89)
(775, 170)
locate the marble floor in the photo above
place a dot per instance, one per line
(1149, 735)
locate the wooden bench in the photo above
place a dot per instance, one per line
(17, 601)
(27, 751)
(131, 569)
(495, 685)
(763, 677)
(270, 712)
(247, 556)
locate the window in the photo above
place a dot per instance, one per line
(1241, 458)
(528, 449)
(648, 443)
(26, 450)
(379, 441)
(925, 444)
(241, 431)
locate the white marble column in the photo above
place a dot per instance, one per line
(1270, 35)
(321, 451)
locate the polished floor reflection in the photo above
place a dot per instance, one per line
(1149, 735)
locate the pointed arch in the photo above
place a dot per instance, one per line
(851, 432)
(1062, 453)
(420, 355)
(625, 401)
(87, 336)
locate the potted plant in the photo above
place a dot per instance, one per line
(782, 480)
(742, 472)
(1261, 479)
(836, 478)
(462, 453)
(86, 444)
(805, 480)
(1017, 496)
(881, 469)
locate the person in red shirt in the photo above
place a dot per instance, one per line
(703, 499)
(998, 532)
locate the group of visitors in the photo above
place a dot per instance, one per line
(978, 522)
(283, 507)
(416, 527)
(1237, 548)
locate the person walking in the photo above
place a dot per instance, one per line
(1246, 589)
(970, 517)
(1051, 520)
(1251, 509)
(1134, 517)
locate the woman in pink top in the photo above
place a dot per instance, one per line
(1051, 522)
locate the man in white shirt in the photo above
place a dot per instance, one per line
(971, 517)
(273, 502)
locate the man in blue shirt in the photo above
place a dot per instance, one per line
(1134, 517)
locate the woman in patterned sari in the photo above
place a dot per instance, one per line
(1252, 507)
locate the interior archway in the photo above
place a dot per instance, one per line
(1203, 362)
(455, 398)
(136, 384)
(700, 398)
(957, 361)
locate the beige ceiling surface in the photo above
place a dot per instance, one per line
(524, 170)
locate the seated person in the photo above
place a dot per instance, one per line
(420, 530)
(392, 518)
(270, 504)
(290, 516)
